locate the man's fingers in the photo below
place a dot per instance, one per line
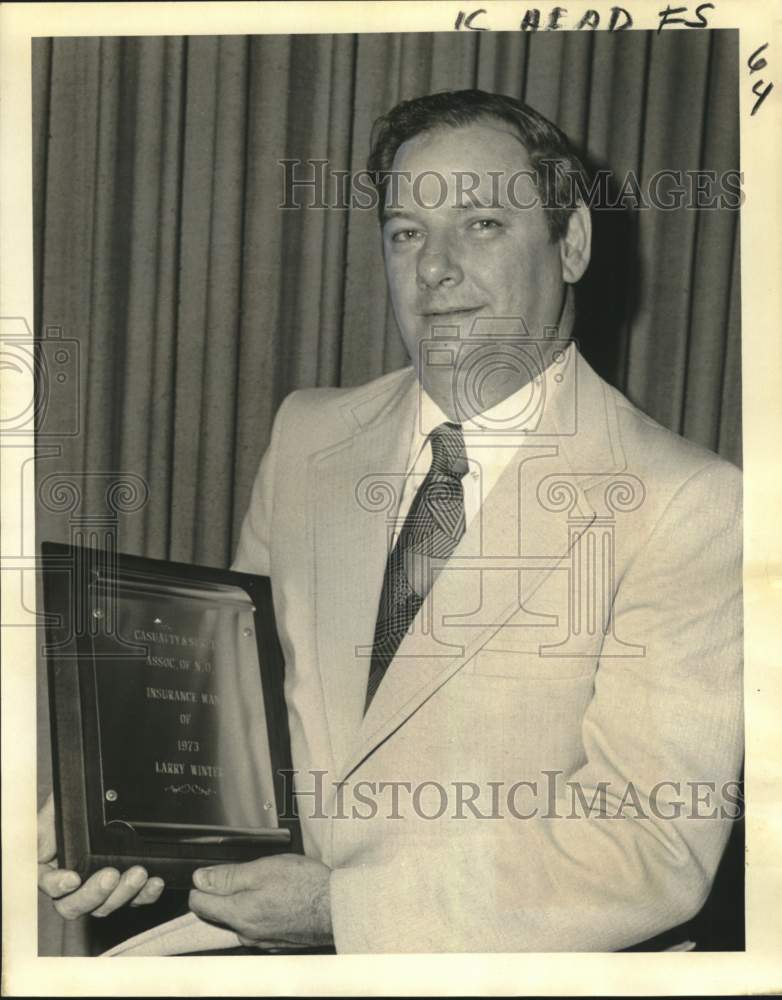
(56, 882)
(95, 891)
(100, 895)
(131, 883)
(150, 892)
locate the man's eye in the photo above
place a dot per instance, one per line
(404, 235)
(484, 225)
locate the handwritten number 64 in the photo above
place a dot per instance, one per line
(756, 62)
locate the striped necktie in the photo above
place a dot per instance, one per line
(432, 530)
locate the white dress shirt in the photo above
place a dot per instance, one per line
(490, 439)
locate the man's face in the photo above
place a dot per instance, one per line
(452, 263)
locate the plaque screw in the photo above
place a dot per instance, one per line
(267, 805)
(97, 612)
(111, 795)
(247, 632)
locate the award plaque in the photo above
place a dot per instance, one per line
(170, 743)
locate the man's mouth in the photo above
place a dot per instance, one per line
(451, 312)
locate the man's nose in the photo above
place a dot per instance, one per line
(436, 266)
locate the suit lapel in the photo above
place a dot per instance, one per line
(354, 491)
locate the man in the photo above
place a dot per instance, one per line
(510, 604)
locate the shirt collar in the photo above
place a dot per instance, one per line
(495, 426)
(516, 412)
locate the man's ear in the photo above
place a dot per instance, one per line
(575, 246)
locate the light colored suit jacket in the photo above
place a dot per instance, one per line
(579, 657)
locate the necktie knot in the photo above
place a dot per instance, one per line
(449, 456)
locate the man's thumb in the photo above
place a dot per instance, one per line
(210, 879)
(222, 880)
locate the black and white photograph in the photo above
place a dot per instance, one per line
(382, 548)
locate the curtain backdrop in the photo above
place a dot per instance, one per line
(198, 304)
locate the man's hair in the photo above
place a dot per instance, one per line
(557, 182)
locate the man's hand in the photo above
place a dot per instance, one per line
(280, 900)
(101, 894)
